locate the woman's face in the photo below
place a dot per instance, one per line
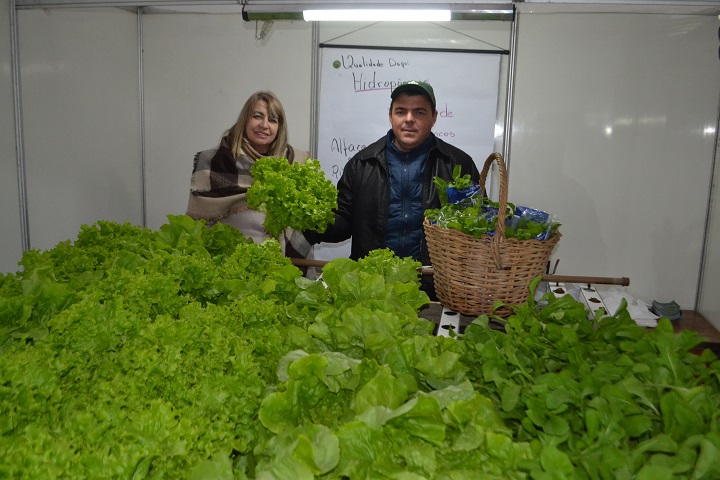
(261, 128)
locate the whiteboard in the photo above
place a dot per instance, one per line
(355, 87)
(354, 102)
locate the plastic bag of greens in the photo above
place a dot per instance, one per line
(528, 223)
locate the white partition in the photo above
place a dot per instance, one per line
(199, 70)
(81, 122)
(614, 131)
(10, 235)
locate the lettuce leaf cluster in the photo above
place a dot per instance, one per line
(133, 353)
(296, 195)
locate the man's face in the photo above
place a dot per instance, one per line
(412, 118)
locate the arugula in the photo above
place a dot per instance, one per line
(603, 400)
(458, 182)
(464, 208)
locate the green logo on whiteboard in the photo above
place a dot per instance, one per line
(336, 64)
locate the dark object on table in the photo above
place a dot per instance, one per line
(669, 310)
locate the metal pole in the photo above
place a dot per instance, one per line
(712, 198)
(141, 94)
(314, 89)
(512, 59)
(19, 144)
(623, 281)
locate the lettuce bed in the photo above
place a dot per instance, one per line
(190, 352)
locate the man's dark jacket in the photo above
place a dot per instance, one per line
(364, 192)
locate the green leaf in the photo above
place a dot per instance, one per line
(424, 420)
(383, 390)
(216, 469)
(510, 397)
(553, 459)
(636, 425)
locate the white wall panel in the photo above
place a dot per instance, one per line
(614, 131)
(79, 73)
(10, 234)
(199, 70)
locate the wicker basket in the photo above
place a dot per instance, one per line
(471, 273)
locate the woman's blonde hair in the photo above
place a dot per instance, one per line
(235, 137)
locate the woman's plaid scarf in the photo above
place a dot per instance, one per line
(218, 189)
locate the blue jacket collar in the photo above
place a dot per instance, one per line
(424, 148)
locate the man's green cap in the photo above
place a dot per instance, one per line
(416, 87)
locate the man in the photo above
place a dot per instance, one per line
(386, 187)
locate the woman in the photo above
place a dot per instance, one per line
(221, 176)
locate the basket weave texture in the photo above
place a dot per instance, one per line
(471, 273)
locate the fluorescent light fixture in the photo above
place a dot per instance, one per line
(356, 11)
(376, 15)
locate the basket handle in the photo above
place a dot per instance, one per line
(499, 236)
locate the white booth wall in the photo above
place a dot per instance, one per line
(80, 107)
(199, 70)
(632, 200)
(614, 129)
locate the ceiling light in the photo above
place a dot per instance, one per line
(376, 15)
